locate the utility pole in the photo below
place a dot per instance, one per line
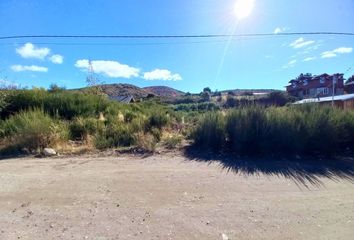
(334, 81)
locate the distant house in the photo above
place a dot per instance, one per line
(349, 87)
(123, 99)
(342, 101)
(309, 86)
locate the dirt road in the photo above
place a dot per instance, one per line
(169, 196)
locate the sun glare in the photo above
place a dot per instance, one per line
(243, 8)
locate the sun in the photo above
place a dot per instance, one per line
(243, 8)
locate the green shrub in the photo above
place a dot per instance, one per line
(287, 130)
(173, 142)
(63, 104)
(33, 130)
(129, 116)
(115, 135)
(111, 124)
(157, 119)
(247, 129)
(146, 142)
(102, 142)
(81, 128)
(200, 107)
(210, 133)
(157, 133)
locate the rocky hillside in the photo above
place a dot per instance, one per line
(164, 91)
(122, 89)
(115, 90)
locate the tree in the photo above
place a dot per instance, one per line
(206, 96)
(247, 93)
(55, 88)
(279, 98)
(230, 102)
(217, 93)
(351, 79)
(207, 89)
(230, 93)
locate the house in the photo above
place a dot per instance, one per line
(342, 101)
(123, 99)
(349, 87)
(309, 86)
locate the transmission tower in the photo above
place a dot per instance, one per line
(91, 79)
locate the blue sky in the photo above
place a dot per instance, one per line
(188, 65)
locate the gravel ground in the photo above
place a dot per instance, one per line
(170, 196)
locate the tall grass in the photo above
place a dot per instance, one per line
(255, 130)
(32, 129)
(210, 133)
(83, 116)
(64, 104)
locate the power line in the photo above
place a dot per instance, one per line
(115, 44)
(177, 36)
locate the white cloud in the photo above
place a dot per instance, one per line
(112, 69)
(309, 59)
(280, 30)
(56, 58)
(335, 52)
(162, 74)
(30, 51)
(328, 54)
(300, 43)
(290, 64)
(32, 68)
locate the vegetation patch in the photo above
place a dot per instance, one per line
(256, 130)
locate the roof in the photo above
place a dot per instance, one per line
(303, 77)
(326, 99)
(123, 99)
(349, 83)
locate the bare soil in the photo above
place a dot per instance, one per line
(172, 196)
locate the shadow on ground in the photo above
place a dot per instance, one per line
(303, 171)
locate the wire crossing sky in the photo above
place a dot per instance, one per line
(156, 42)
(180, 36)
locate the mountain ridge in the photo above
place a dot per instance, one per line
(125, 89)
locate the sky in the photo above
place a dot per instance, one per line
(185, 64)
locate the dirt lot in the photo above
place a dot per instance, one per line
(170, 196)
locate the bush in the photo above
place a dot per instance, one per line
(277, 98)
(81, 128)
(33, 130)
(62, 104)
(200, 107)
(82, 114)
(247, 129)
(115, 135)
(210, 133)
(291, 130)
(146, 142)
(157, 119)
(173, 141)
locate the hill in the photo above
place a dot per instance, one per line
(123, 89)
(164, 91)
(115, 90)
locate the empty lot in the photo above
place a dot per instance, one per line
(170, 196)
